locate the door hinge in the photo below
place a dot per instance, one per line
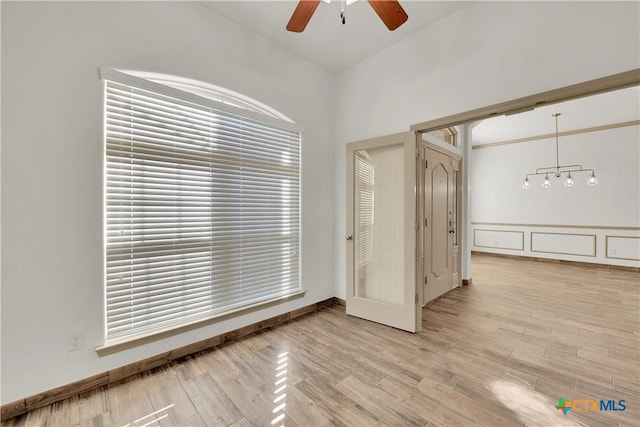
(425, 280)
(426, 222)
(426, 164)
(417, 299)
(417, 154)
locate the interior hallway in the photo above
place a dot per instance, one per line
(499, 352)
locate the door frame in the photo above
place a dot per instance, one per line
(605, 84)
(420, 214)
(592, 87)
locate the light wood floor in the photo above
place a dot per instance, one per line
(497, 353)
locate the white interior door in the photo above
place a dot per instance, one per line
(380, 238)
(440, 223)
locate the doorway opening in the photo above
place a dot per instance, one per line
(500, 236)
(447, 206)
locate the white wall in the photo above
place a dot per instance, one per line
(498, 174)
(487, 53)
(52, 276)
(611, 208)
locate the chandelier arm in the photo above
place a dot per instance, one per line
(561, 169)
(564, 169)
(571, 168)
(579, 167)
(538, 173)
(545, 170)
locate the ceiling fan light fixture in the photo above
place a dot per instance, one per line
(389, 11)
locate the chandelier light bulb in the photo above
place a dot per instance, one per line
(526, 184)
(569, 182)
(593, 180)
(546, 183)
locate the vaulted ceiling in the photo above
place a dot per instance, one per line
(326, 41)
(336, 47)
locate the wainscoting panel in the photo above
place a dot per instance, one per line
(623, 247)
(564, 243)
(599, 244)
(498, 239)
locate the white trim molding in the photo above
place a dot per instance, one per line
(598, 244)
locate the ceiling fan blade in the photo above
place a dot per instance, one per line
(390, 11)
(302, 15)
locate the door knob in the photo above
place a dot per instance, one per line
(348, 237)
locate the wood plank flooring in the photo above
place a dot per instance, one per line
(497, 353)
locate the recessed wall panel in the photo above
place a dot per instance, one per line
(498, 239)
(623, 247)
(563, 243)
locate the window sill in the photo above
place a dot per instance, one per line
(126, 343)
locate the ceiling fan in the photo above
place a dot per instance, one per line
(390, 11)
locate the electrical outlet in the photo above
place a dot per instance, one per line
(75, 341)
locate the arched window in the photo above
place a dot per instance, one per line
(202, 203)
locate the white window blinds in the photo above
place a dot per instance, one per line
(202, 211)
(364, 194)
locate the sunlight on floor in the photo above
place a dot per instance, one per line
(531, 407)
(158, 415)
(280, 400)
